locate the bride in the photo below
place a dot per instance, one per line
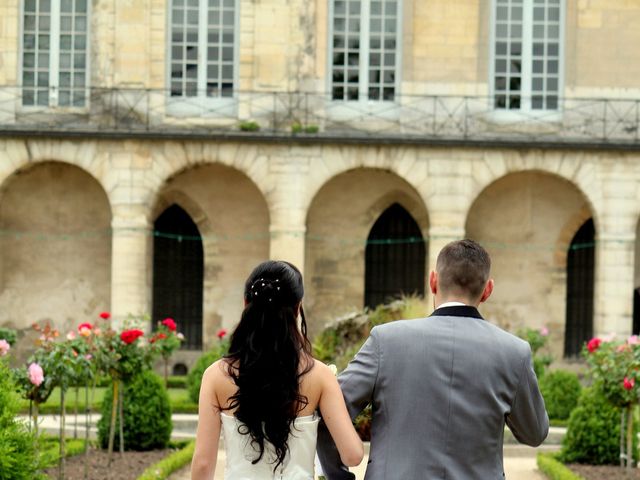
(264, 394)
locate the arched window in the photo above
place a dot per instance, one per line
(580, 274)
(178, 269)
(394, 257)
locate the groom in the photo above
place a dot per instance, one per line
(442, 387)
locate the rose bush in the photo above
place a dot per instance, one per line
(615, 365)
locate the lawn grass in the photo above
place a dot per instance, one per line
(179, 398)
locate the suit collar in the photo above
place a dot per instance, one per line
(457, 311)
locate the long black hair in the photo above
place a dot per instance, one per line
(268, 355)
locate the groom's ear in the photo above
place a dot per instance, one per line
(488, 289)
(433, 281)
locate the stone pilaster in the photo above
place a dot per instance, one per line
(130, 272)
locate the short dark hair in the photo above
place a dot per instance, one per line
(463, 268)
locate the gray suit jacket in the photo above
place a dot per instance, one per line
(442, 389)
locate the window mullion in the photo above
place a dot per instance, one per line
(54, 53)
(365, 36)
(202, 48)
(527, 54)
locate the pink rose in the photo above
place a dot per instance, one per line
(633, 340)
(593, 344)
(4, 347)
(71, 336)
(544, 331)
(36, 375)
(628, 383)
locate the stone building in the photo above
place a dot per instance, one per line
(153, 151)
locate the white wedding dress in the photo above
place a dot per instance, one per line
(298, 464)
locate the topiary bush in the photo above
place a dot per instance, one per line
(146, 412)
(593, 432)
(561, 391)
(194, 377)
(18, 454)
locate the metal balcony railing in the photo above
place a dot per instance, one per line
(279, 115)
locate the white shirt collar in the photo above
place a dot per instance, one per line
(451, 304)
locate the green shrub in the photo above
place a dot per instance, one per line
(170, 464)
(339, 342)
(554, 469)
(593, 432)
(18, 457)
(146, 411)
(8, 334)
(194, 377)
(177, 381)
(249, 126)
(561, 390)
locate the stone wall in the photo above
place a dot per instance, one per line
(314, 205)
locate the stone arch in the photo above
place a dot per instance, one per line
(568, 166)
(233, 218)
(526, 220)
(336, 160)
(172, 158)
(55, 263)
(339, 221)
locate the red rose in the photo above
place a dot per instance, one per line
(628, 383)
(170, 324)
(221, 333)
(594, 344)
(85, 325)
(105, 315)
(130, 336)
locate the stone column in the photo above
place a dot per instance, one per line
(615, 250)
(130, 264)
(288, 210)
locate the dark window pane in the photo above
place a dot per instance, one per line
(516, 48)
(536, 102)
(388, 93)
(352, 93)
(514, 84)
(374, 93)
(338, 93)
(501, 48)
(500, 101)
(538, 66)
(514, 102)
(501, 83)
(538, 48)
(552, 84)
(552, 102)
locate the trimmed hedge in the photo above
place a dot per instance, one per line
(593, 433)
(561, 391)
(146, 411)
(194, 377)
(168, 465)
(50, 450)
(554, 469)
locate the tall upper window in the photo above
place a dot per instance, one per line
(202, 50)
(527, 54)
(364, 49)
(54, 53)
